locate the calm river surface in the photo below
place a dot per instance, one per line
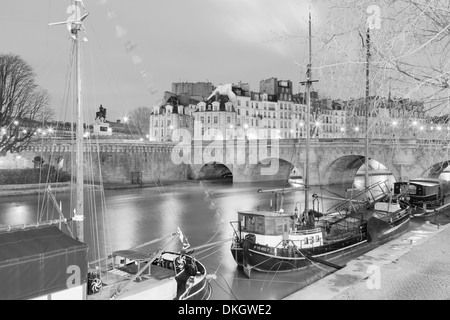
(202, 211)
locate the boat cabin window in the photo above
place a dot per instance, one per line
(252, 223)
(269, 225)
(276, 226)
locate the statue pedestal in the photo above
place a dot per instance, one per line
(102, 129)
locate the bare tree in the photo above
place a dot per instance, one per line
(410, 46)
(22, 103)
(140, 120)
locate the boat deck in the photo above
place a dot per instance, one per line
(159, 285)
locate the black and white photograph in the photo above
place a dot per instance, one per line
(197, 151)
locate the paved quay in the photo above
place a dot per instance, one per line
(415, 266)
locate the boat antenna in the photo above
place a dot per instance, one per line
(308, 83)
(75, 26)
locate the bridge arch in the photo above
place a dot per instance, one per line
(344, 170)
(272, 169)
(211, 171)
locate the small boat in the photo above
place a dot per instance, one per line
(426, 196)
(278, 241)
(163, 275)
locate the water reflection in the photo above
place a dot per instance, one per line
(203, 212)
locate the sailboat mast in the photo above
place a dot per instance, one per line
(308, 114)
(79, 210)
(367, 106)
(308, 83)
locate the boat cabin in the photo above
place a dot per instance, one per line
(277, 229)
(426, 193)
(265, 222)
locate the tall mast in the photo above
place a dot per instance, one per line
(79, 210)
(367, 106)
(308, 115)
(75, 26)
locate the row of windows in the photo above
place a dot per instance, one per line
(272, 106)
(215, 107)
(215, 119)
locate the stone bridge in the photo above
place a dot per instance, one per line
(332, 161)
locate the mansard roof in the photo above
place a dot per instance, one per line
(222, 100)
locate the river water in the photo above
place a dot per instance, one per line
(203, 211)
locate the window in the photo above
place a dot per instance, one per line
(228, 120)
(209, 119)
(215, 120)
(202, 119)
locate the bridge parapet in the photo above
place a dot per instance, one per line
(118, 158)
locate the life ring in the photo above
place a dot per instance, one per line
(96, 285)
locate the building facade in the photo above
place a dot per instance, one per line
(170, 116)
(234, 111)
